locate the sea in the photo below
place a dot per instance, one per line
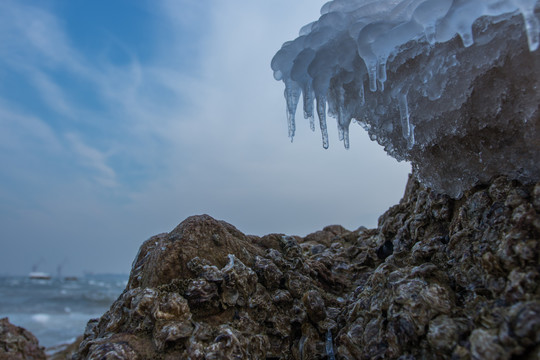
(56, 310)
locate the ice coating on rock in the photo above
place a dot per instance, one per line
(428, 80)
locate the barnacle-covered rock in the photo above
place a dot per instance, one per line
(459, 274)
(202, 293)
(226, 345)
(239, 282)
(314, 304)
(268, 272)
(165, 257)
(17, 343)
(438, 278)
(112, 350)
(443, 333)
(207, 291)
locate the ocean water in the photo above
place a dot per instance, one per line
(56, 311)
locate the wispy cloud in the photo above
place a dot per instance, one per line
(54, 96)
(94, 159)
(30, 34)
(127, 108)
(101, 150)
(25, 132)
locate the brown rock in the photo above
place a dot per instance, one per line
(17, 343)
(439, 278)
(164, 257)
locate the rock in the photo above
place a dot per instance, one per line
(165, 257)
(438, 278)
(205, 290)
(453, 286)
(64, 351)
(17, 343)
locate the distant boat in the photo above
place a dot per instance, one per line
(70, 278)
(38, 275)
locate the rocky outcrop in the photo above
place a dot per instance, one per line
(17, 343)
(439, 278)
(453, 87)
(460, 280)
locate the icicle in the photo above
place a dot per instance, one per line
(410, 140)
(466, 36)
(292, 96)
(532, 27)
(407, 130)
(361, 93)
(321, 111)
(291, 125)
(382, 70)
(308, 105)
(430, 32)
(372, 72)
(355, 38)
(404, 115)
(340, 107)
(346, 137)
(428, 13)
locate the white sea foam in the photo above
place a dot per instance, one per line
(41, 318)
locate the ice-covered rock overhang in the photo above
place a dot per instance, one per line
(451, 86)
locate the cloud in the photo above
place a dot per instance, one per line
(236, 130)
(31, 35)
(106, 154)
(53, 94)
(94, 159)
(20, 131)
(129, 109)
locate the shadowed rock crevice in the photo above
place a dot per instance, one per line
(438, 278)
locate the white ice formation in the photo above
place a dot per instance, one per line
(422, 76)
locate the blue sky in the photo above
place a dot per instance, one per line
(118, 119)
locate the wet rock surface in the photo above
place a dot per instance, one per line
(17, 343)
(438, 279)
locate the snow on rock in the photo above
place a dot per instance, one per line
(452, 86)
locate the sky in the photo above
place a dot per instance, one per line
(119, 119)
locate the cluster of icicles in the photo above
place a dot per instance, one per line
(354, 39)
